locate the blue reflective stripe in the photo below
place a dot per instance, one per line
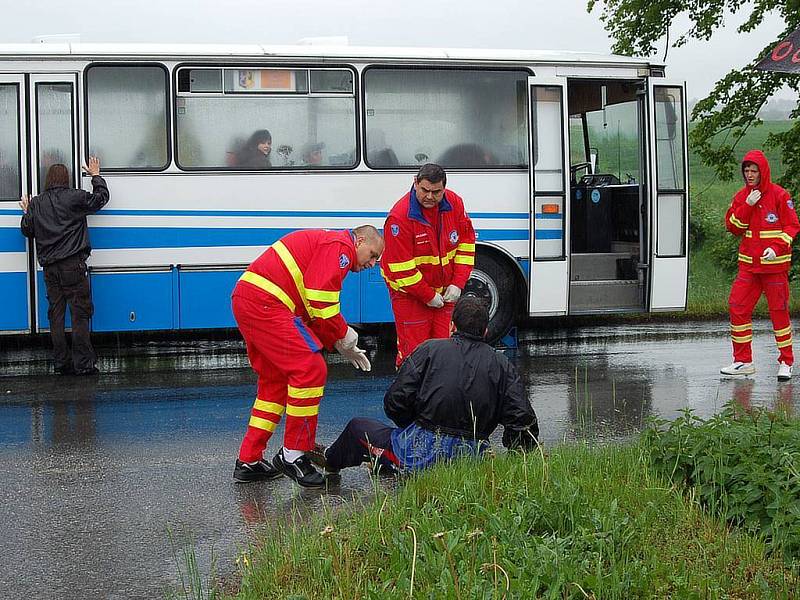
(306, 334)
(549, 216)
(11, 240)
(548, 234)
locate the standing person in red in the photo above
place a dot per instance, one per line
(763, 214)
(429, 255)
(287, 308)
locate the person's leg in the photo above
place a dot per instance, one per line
(362, 440)
(441, 320)
(413, 322)
(745, 292)
(56, 310)
(79, 297)
(776, 287)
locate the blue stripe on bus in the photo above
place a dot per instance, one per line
(11, 240)
(194, 237)
(549, 216)
(548, 234)
(282, 213)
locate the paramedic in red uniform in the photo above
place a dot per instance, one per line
(763, 214)
(429, 255)
(287, 308)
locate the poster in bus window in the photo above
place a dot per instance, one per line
(265, 80)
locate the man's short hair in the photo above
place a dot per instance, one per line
(433, 173)
(471, 315)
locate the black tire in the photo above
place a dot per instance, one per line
(493, 280)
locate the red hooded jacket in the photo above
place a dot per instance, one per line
(770, 223)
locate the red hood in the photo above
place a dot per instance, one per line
(757, 157)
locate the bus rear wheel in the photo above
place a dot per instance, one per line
(493, 281)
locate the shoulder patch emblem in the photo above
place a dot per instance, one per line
(454, 237)
(344, 262)
(395, 229)
(771, 217)
(790, 204)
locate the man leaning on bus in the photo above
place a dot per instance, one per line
(429, 255)
(287, 308)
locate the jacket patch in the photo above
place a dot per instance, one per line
(790, 204)
(343, 261)
(771, 217)
(454, 237)
(395, 229)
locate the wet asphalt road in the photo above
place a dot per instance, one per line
(107, 482)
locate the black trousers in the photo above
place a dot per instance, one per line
(67, 283)
(363, 440)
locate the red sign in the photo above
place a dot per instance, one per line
(784, 57)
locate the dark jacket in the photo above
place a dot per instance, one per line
(56, 219)
(462, 387)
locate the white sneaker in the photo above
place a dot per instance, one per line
(784, 372)
(738, 368)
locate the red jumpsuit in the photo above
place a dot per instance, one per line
(426, 250)
(287, 308)
(772, 223)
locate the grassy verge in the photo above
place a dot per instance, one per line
(581, 523)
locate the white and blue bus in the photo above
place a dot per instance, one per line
(572, 166)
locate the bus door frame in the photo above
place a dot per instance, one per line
(548, 289)
(669, 258)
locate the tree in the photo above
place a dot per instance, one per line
(731, 108)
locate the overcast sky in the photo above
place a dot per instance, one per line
(533, 24)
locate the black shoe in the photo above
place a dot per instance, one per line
(317, 456)
(301, 470)
(92, 371)
(65, 370)
(260, 470)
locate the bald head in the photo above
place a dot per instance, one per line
(369, 246)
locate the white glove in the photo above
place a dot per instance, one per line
(753, 197)
(348, 342)
(452, 293)
(357, 357)
(436, 301)
(769, 254)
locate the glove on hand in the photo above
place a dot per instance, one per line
(753, 197)
(452, 293)
(348, 342)
(357, 357)
(436, 301)
(769, 254)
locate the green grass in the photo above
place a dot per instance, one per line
(582, 522)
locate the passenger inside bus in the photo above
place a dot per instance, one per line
(254, 154)
(466, 155)
(312, 154)
(379, 154)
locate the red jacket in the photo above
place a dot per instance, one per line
(422, 258)
(772, 222)
(304, 270)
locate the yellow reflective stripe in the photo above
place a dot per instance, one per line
(741, 327)
(426, 260)
(748, 234)
(783, 258)
(470, 247)
(742, 339)
(407, 281)
(312, 392)
(270, 407)
(322, 295)
(327, 312)
(449, 256)
(745, 258)
(737, 222)
(269, 287)
(389, 282)
(297, 275)
(402, 266)
(784, 331)
(464, 260)
(263, 424)
(785, 343)
(302, 411)
(786, 238)
(775, 234)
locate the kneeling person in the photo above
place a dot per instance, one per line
(446, 400)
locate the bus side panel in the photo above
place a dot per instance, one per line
(205, 298)
(375, 304)
(13, 278)
(132, 301)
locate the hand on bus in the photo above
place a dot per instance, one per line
(357, 357)
(753, 197)
(452, 293)
(769, 254)
(94, 166)
(24, 202)
(437, 301)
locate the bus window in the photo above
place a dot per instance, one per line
(127, 116)
(9, 143)
(669, 109)
(459, 118)
(54, 139)
(268, 119)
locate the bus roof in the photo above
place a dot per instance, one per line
(311, 51)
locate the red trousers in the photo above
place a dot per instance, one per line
(745, 293)
(291, 375)
(416, 322)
